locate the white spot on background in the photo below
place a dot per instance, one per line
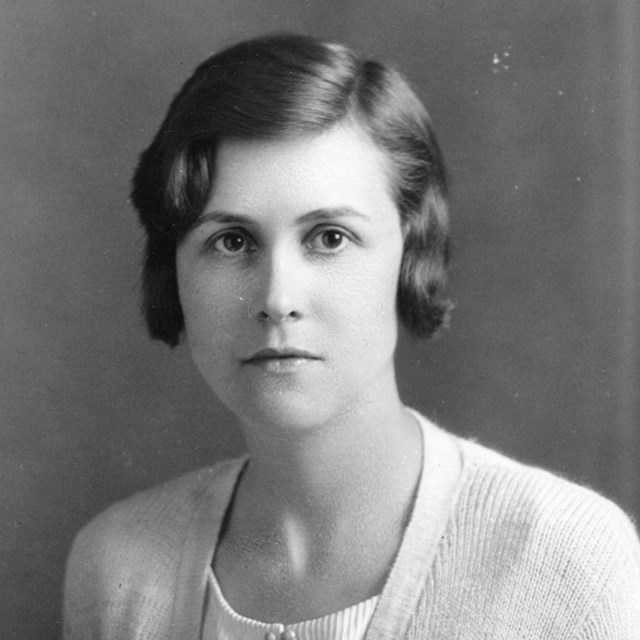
(500, 60)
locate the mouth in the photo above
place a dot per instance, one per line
(281, 354)
(284, 360)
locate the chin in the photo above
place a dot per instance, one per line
(284, 412)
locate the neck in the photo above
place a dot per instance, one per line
(319, 513)
(327, 467)
(312, 491)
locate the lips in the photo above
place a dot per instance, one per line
(283, 361)
(285, 353)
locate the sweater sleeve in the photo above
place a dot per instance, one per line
(131, 566)
(118, 582)
(615, 614)
(538, 557)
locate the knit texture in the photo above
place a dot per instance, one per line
(528, 555)
(223, 623)
(493, 550)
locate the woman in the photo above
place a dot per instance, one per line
(294, 201)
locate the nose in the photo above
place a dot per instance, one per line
(280, 297)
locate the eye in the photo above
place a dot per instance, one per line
(232, 242)
(329, 240)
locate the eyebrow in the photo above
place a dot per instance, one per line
(331, 213)
(317, 215)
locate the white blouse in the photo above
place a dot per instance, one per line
(223, 623)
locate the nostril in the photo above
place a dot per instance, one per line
(276, 316)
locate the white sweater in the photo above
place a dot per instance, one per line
(493, 550)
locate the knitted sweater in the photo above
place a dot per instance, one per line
(493, 550)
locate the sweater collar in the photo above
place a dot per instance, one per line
(434, 500)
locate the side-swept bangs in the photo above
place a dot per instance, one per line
(275, 87)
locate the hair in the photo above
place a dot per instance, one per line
(278, 86)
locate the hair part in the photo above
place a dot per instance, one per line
(278, 86)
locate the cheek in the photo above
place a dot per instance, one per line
(211, 335)
(366, 301)
(383, 281)
(210, 306)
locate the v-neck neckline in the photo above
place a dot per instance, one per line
(434, 500)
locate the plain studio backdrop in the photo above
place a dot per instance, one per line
(536, 106)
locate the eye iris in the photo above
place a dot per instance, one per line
(332, 239)
(233, 242)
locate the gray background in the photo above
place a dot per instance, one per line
(536, 105)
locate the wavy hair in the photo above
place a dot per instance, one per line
(276, 86)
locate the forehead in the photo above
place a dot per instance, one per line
(340, 166)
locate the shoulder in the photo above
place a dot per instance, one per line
(130, 553)
(158, 515)
(538, 498)
(556, 538)
(498, 498)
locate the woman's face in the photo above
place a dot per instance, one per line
(288, 280)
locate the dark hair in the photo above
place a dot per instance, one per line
(272, 87)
